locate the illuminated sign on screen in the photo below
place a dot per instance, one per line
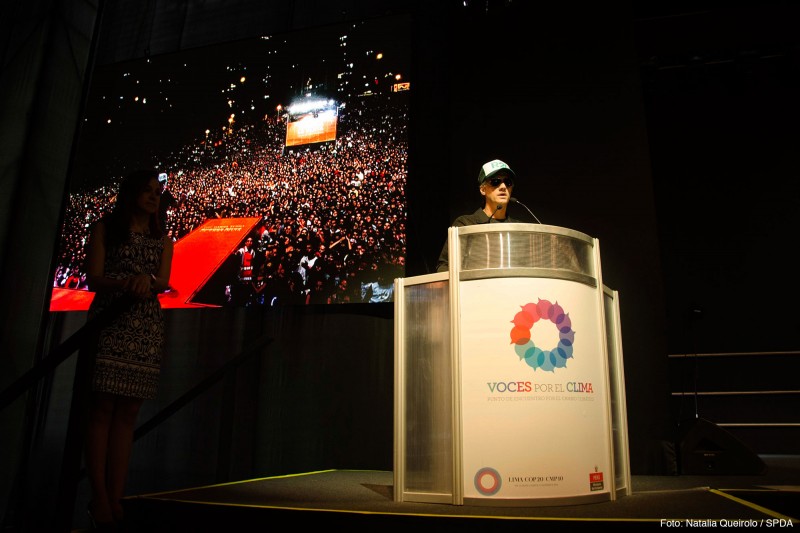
(311, 128)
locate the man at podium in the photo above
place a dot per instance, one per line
(495, 183)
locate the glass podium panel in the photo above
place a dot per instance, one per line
(428, 390)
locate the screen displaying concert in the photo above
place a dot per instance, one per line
(283, 163)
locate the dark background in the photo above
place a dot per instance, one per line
(666, 130)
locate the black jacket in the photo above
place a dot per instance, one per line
(478, 217)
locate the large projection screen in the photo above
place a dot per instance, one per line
(285, 160)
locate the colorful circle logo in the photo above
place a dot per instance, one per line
(487, 481)
(534, 356)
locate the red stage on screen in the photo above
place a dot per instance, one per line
(196, 257)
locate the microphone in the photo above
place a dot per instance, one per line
(526, 208)
(496, 209)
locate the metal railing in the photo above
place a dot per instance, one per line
(82, 343)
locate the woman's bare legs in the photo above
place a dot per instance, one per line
(101, 411)
(120, 443)
(109, 441)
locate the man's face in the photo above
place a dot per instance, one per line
(497, 189)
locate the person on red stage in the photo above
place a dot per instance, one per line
(246, 255)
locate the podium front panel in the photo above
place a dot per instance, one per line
(533, 391)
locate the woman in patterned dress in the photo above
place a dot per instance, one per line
(128, 256)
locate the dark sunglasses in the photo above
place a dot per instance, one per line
(495, 182)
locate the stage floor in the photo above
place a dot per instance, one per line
(364, 499)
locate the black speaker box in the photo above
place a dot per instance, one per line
(705, 448)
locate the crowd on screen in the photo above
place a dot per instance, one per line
(332, 215)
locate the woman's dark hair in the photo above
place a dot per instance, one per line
(118, 221)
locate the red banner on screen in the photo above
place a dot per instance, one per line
(195, 259)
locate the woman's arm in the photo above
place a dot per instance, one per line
(160, 281)
(337, 242)
(95, 263)
(139, 285)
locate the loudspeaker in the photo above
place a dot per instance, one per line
(705, 448)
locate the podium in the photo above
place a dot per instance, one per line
(508, 379)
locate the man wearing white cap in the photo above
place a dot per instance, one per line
(495, 183)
